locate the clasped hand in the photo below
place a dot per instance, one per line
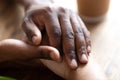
(60, 28)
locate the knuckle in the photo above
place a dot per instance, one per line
(49, 9)
(66, 21)
(78, 31)
(82, 49)
(71, 54)
(57, 33)
(80, 37)
(69, 35)
(63, 10)
(45, 12)
(88, 41)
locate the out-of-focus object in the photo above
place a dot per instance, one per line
(93, 11)
(6, 78)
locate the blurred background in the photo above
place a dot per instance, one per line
(105, 37)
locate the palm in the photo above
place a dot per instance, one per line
(60, 68)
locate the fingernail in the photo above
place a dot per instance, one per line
(73, 64)
(55, 57)
(35, 40)
(84, 58)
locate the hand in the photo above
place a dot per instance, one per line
(89, 71)
(64, 29)
(12, 50)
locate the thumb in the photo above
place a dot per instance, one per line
(47, 52)
(12, 49)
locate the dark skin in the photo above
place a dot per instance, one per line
(12, 50)
(64, 29)
(16, 50)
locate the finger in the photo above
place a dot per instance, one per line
(87, 35)
(47, 52)
(11, 50)
(32, 32)
(79, 39)
(53, 29)
(68, 39)
(26, 40)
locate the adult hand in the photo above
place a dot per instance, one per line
(64, 29)
(13, 50)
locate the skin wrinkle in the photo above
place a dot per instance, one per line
(88, 40)
(63, 10)
(69, 35)
(64, 35)
(55, 34)
(78, 32)
(46, 13)
(69, 49)
(79, 35)
(49, 9)
(68, 38)
(56, 31)
(31, 30)
(86, 34)
(83, 49)
(79, 38)
(72, 54)
(40, 13)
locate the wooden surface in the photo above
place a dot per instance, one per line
(106, 42)
(105, 39)
(105, 36)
